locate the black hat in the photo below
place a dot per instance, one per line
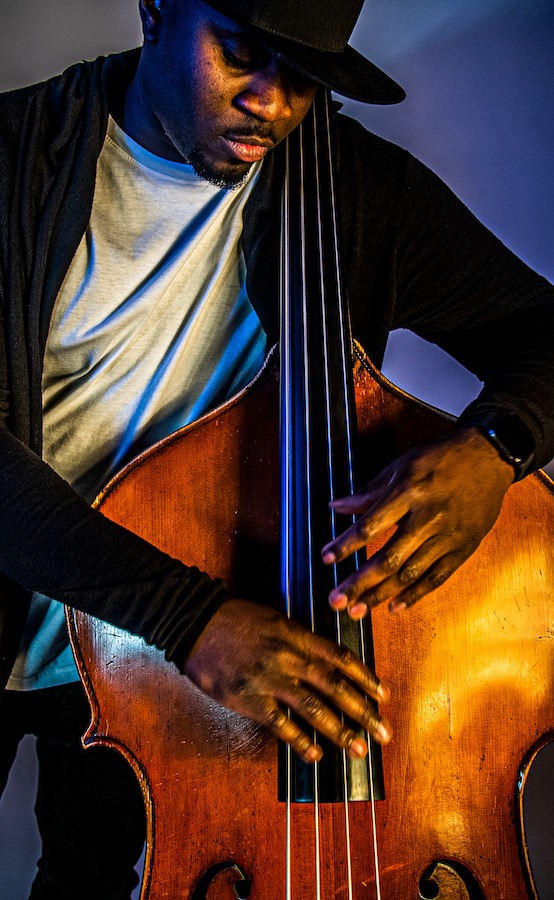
(312, 37)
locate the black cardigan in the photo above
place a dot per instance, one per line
(414, 257)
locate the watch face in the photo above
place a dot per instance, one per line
(511, 438)
(514, 435)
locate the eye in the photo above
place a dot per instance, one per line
(234, 56)
(241, 55)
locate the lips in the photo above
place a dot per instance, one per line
(246, 150)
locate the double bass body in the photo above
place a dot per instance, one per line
(470, 669)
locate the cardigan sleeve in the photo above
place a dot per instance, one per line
(417, 258)
(460, 287)
(53, 542)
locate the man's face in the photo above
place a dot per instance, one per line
(208, 93)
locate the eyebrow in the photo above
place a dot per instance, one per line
(223, 31)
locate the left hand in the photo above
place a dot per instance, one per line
(442, 498)
(257, 662)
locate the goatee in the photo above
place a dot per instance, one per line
(228, 180)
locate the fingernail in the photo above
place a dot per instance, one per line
(358, 611)
(397, 606)
(358, 747)
(384, 731)
(313, 754)
(338, 599)
(328, 557)
(383, 693)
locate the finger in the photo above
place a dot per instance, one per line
(327, 723)
(280, 724)
(403, 558)
(333, 686)
(366, 529)
(354, 504)
(313, 711)
(430, 581)
(337, 661)
(405, 588)
(308, 704)
(360, 500)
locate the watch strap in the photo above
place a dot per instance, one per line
(509, 435)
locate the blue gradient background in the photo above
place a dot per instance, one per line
(479, 76)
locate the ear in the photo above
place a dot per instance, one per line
(151, 16)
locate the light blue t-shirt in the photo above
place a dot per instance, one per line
(152, 328)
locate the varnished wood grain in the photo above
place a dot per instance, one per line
(471, 669)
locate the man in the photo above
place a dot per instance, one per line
(137, 295)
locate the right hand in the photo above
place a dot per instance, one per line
(256, 662)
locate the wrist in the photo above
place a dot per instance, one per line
(509, 436)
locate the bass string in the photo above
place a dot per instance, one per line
(287, 360)
(288, 445)
(326, 199)
(309, 481)
(285, 478)
(322, 268)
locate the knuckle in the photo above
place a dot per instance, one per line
(275, 718)
(344, 655)
(277, 645)
(454, 532)
(338, 683)
(238, 685)
(312, 707)
(346, 737)
(301, 743)
(283, 727)
(438, 577)
(370, 719)
(409, 574)
(389, 562)
(363, 530)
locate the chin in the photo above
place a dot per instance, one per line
(223, 176)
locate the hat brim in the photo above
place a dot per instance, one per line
(348, 73)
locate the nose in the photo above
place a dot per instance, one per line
(269, 95)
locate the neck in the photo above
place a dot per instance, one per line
(139, 122)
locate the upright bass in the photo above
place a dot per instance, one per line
(437, 814)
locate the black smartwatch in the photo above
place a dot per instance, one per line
(509, 435)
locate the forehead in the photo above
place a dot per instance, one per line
(196, 28)
(187, 14)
